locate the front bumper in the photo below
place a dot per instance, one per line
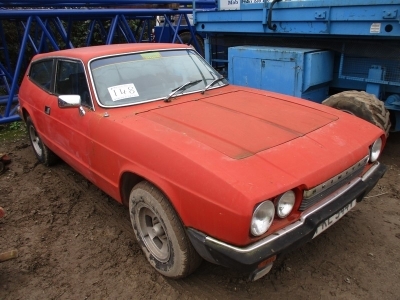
(249, 259)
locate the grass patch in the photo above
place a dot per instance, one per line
(12, 131)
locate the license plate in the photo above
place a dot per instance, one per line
(333, 219)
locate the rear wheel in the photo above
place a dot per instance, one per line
(362, 105)
(160, 232)
(42, 152)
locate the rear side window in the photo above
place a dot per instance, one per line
(40, 73)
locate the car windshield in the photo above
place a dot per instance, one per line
(148, 76)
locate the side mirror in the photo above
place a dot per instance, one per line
(69, 101)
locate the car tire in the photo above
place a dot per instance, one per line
(363, 105)
(186, 38)
(42, 152)
(160, 233)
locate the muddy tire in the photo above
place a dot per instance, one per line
(42, 152)
(160, 233)
(362, 105)
(186, 38)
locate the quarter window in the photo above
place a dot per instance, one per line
(40, 73)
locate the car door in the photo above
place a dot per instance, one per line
(69, 127)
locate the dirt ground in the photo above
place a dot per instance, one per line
(74, 242)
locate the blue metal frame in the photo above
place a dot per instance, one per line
(98, 3)
(323, 17)
(182, 24)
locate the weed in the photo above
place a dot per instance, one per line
(12, 130)
(15, 125)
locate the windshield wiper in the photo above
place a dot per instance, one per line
(212, 83)
(182, 88)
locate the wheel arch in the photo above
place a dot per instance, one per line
(129, 179)
(24, 114)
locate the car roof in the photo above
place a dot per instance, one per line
(88, 53)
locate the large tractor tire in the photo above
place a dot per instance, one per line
(186, 38)
(362, 105)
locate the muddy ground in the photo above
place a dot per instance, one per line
(74, 242)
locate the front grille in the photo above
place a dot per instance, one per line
(315, 194)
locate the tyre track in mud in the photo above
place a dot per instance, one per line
(89, 192)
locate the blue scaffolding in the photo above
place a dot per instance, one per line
(44, 26)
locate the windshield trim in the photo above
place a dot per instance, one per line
(145, 101)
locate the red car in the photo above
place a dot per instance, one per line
(209, 170)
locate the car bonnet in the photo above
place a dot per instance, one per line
(241, 123)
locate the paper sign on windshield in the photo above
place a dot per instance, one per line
(123, 91)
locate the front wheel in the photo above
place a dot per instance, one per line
(362, 105)
(42, 152)
(160, 232)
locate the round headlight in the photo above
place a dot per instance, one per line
(262, 218)
(375, 150)
(285, 204)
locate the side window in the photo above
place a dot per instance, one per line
(71, 80)
(40, 73)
